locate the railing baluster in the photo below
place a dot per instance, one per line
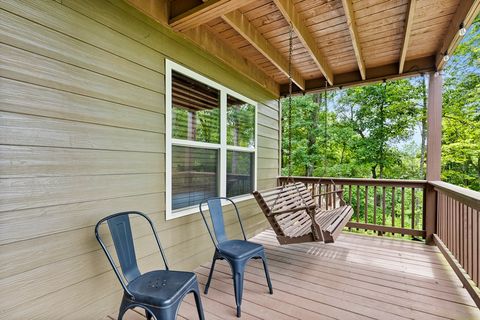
(475, 244)
(374, 204)
(366, 204)
(383, 206)
(402, 201)
(358, 203)
(413, 208)
(393, 208)
(470, 241)
(465, 235)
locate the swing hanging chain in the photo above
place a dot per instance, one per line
(290, 84)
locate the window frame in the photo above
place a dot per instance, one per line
(222, 147)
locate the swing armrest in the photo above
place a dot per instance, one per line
(293, 210)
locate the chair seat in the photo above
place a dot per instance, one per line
(239, 249)
(161, 288)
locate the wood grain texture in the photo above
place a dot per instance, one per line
(82, 135)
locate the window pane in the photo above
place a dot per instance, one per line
(240, 123)
(195, 110)
(239, 173)
(194, 175)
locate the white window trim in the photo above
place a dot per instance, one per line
(222, 146)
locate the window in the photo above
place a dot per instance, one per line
(210, 141)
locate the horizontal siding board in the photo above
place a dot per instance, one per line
(82, 121)
(23, 162)
(60, 18)
(270, 112)
(17, 130)
(264, 163)
(268, 122)
(30, 36)
(25, 66)
(63, 236)
(21, 97)
(39, 222)
(166, 41)
(267, 142)
(25, 193)
(267, 132)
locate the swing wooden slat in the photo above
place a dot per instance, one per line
(296, 218)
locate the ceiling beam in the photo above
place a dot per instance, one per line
(205, 12)
(203, 37)
(377, 74)
(352, 28)
(238, 21)
(287, 8)
(156, 9)
(407, 32)
(466, 12)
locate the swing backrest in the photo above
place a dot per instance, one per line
(286, 198)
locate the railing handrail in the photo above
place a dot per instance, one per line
(467, 196)
(360, 181)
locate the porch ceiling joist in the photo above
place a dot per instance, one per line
(466, 12)
(238, 21)
(352, 28)
(204, 38)
(376, 74)
(205, 12)
(287, 8)
(406, 37)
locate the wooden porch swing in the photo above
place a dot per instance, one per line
(291, 210)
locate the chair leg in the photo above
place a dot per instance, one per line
(267, 274)
(207, 285)
(169, 313)
(238, 287)
(198, 302)
(148, 315)
(124, 306)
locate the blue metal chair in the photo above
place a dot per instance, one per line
(159, 292)
(236, 252)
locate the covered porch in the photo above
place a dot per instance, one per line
(85, 99)
(358, 277)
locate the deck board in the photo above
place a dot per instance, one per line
(357, 277)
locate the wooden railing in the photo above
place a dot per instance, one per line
(458, 232)
(380, 205)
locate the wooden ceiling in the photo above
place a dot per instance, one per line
(335, 42)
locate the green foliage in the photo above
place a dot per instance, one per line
(370, 128)
(461, 114)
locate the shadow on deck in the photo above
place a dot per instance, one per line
(357, 277)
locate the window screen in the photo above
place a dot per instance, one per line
(239, 173)
(194, 175)
(196, 110)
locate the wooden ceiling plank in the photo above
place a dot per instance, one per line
(244, 27)
(288, 10)
(407, 33)
(207, 40)
(466, 12)
(352, 28)
(205, 12)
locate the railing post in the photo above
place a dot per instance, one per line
(434, 151)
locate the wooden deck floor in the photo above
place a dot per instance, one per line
(357, 277)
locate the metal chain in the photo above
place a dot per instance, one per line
(290, 84)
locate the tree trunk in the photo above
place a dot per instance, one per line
(374, 172)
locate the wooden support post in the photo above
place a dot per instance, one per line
(434, 150)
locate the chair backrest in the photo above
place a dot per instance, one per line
(218, 222)
(121, 232)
